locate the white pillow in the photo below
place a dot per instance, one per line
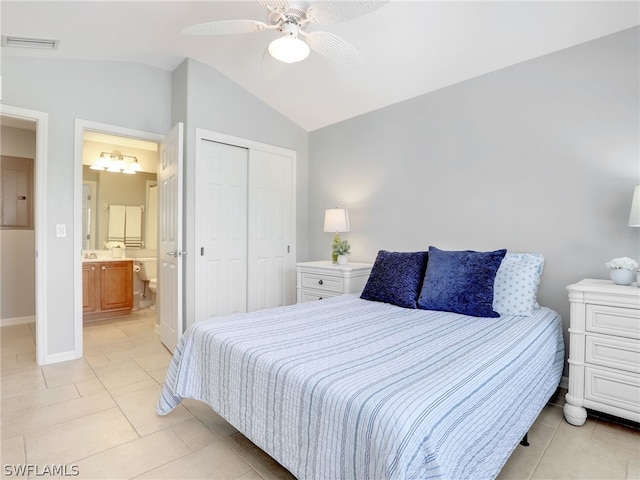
(515, 289)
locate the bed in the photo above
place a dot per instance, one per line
(351, 388)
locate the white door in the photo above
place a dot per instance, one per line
(221, 229)
(271, 257)
(170, 254)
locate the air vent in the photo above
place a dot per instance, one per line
(24, 42)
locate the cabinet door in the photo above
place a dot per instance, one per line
(90, 287)
(116, 283)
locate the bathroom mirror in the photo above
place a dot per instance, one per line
(117, 206)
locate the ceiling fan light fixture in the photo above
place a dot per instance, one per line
(289, 49)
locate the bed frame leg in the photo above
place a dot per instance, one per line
(525, 440)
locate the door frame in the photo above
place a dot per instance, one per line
(40, 207)
(191, 204)
(80, 127)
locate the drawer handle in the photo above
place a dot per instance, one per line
(320, 282)
(93, 268)
(320, 298)
(104, 268)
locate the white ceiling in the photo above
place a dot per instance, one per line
(412, 47)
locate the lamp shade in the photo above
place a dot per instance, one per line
(634, 215)
(336, 220)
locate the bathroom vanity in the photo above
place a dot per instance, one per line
(107, 288)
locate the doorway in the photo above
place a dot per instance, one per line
(93, 139)
(23, 116)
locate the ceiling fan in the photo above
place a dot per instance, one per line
(291, 19)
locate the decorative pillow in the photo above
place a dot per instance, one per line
(515, 290)
(396, 278)
(460, 281)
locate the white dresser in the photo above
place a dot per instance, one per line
(604, 350)
(324, 279)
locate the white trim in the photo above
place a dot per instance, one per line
(80, 127)
(60, 357)
(40, 213)
(6, 322)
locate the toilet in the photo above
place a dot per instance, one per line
(148, 272)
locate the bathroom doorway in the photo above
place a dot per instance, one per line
(107, 189)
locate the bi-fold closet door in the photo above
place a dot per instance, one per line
(245, 227)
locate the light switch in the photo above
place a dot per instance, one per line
(61, 230)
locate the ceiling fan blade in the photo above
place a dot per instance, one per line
(327, 12)
(271, 67)
(335, 48)
(275, 5)
(225, 27)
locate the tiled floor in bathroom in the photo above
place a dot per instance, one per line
(98, 413)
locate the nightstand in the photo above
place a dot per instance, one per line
(324, 279)
(604, 350)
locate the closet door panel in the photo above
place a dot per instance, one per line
(221, 230)
(271, 235)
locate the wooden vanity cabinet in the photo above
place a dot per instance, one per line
(107, 289)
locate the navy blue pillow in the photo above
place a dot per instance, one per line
(461, 282)
(396, 278)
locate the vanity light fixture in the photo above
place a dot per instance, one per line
(115, 162)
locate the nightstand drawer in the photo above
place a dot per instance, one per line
(614, 388)
(312, 295)
(326, 283)
(613, 352)
(623, 322)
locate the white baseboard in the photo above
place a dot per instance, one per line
(564, 382)
(5, 322)
(60, 357)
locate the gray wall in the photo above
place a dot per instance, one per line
(538, 157)
(204, 98)
(17, 261)
(141, 98)
(124, 94)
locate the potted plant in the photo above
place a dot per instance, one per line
(341, 248)
(117, 248)
(622, 270)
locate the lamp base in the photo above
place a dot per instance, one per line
(334, 256)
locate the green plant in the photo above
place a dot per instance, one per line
(341, 247)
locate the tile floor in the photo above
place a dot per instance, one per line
(97, 415)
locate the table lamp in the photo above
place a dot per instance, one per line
(336, 220)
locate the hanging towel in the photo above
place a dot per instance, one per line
(116, 223)
(133, 227)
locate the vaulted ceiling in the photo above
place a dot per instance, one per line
(411, 47)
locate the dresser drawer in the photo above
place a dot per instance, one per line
(313, 295)
(613, 352)
(624, 322)
(325, 283)
(614, 388)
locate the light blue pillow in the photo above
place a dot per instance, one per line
(515, 290)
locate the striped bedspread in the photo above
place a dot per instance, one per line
(346, 388)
